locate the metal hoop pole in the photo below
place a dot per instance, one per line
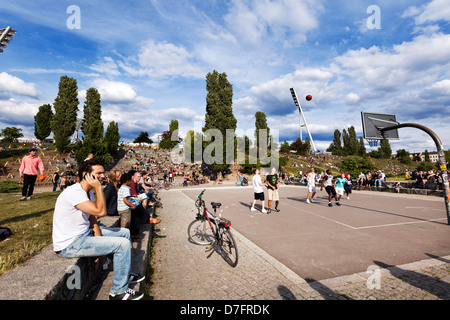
(442, 162)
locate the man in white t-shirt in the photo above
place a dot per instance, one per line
(76, 232)
(258, 191)
(311, 185)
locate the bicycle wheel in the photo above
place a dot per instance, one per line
(200, 232)
(228, 247)
(167, 186)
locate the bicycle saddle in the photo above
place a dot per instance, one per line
(216, 204)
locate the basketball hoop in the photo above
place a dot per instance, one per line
(373, 142)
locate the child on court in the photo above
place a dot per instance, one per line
(327, 182)
(339, 185)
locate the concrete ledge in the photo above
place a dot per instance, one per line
(45, 276)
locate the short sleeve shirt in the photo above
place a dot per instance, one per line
(68, 221)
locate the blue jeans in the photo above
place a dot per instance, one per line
(114, 240)
(378, 182)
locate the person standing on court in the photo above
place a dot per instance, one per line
(327, 182)
(258, 191)
(273, 184)
(311, 185)
(28, 171)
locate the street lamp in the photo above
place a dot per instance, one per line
(5, 36)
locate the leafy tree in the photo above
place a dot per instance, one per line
(219, 111)
(336, 146)
(112, 137)
(143, 138)
(92, 125)
(285, 147)
(300, 147)
(42, 120)
(361, 148)
(354, 165)
(403, 156)
(92, 128)
(66, 107)
(385, 149)
(11, 134)
(167, 142)
(427, 156)
(261, 125)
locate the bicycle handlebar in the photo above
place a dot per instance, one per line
(201, 194)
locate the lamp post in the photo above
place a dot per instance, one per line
(302, 116)
(6, 35)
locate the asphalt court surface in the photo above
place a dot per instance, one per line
(318, 242)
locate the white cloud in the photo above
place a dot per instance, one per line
(114, 91)
(108, 67)
(160, 60)
(18, 112)
(14, 85)
(253, 21)
(434, 11)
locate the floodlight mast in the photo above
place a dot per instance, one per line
(5, 36)
(442, 162)
(301, 115)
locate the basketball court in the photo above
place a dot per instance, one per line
(319, 242)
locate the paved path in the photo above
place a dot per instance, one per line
(185, 271)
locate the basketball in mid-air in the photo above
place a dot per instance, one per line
(308, 97)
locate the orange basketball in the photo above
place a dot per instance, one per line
(308, 97)
(42, 177)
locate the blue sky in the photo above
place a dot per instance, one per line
(149, 59)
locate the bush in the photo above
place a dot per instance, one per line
(355, 164)
(9, 186)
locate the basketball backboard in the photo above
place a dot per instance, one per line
(373, 122)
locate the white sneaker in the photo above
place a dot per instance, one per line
(252, 209)
(312, 200)
(264, 211)
(307, 201)
(348, 198)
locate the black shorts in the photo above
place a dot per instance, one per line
(259, 196)
(330, 190)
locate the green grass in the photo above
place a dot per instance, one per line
(31, 225)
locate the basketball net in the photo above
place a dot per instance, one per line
(373, 142)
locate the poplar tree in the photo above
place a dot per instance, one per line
(42, 122)
(219, 110)
(64, 120)
(112, 137)
(261, 124)
(92, 128)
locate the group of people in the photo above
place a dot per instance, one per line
(335, 188)
(376, 179)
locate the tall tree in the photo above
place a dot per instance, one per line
(219, 111)
(66, 107)
(92, 128)
(261, 125)
(112, 137)
(92, 125)
(385, 149)
(42, 120)
(336, 146)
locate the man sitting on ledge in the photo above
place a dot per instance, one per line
(76, 232)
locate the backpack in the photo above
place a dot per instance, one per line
(4, 233)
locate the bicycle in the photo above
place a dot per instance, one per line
(210, 230)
